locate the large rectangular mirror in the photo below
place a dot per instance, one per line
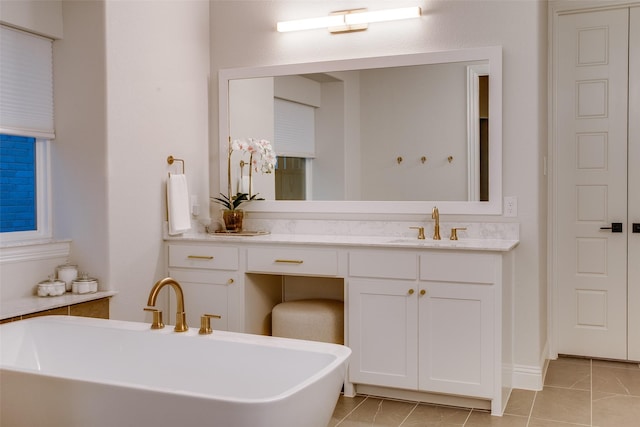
(394, 134)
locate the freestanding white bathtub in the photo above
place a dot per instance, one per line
(79, 372)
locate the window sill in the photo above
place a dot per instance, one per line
(34, 250)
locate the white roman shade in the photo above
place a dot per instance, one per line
(26, 84)
(294, 129)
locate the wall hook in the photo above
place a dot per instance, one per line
(399, 159)
(450, 159)
(423, 159)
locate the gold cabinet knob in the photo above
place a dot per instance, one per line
(423, 292)
(230, 282)
(205, 323)
(411, 291)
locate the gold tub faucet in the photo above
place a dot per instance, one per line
(181, 318)
(435, 214)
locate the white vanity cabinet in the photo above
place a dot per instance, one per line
(457, 322)
(429, 325)
(383, 333)
(426, 321)
(455, 339)
(383, 318)
(208, 275)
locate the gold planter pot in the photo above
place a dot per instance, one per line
(233, 220)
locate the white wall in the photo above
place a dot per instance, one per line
(252, 117)
(79, 152)
(21, 268)
(157, 103)
(429, 120)
(42, 17)
(520, 27)
(131, 88)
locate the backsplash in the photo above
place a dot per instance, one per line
(475, 230)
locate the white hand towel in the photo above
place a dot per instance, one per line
(178, 204)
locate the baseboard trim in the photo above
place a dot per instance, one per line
(421, 396)
(527, 377)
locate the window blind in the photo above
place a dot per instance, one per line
(294, 129)
(26, 84)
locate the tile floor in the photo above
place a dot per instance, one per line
(577, 392)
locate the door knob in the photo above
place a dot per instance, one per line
(616, 227)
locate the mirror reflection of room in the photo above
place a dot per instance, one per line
(340, 135)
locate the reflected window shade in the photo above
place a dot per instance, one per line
(294, 129)
(26, 84)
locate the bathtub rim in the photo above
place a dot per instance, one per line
(340, 353)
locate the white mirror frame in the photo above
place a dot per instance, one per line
(492, 207)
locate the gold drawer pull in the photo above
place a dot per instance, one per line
(290, 261)
(200, 257)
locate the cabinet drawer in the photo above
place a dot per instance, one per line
(459, 267)
(306, 262)
(383, 264)
(200, 256)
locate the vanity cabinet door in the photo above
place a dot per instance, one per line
(456, 342)
(383, 334)
(204, 292)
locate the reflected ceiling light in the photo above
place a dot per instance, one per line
(349, 20)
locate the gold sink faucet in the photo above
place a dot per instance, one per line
(435, 214)
(181, 318)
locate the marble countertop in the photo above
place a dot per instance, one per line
(499, 245)
(33, 304)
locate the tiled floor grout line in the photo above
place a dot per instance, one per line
(591, 392)
(351, 411)
(409, 414)
(467, 419)
(535, 394)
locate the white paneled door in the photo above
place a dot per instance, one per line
(597, 188)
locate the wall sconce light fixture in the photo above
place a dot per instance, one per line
(344, 21)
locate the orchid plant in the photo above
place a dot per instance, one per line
(262, 158)
(233, 203)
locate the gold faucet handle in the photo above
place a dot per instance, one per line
(420, 232)
(157, 318)
(205, 323)
(454, 232)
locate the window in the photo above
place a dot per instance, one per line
(294, 129)
(26, 126)
(295, 145)
(17, 184)
(24, 197)
(291, 178)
